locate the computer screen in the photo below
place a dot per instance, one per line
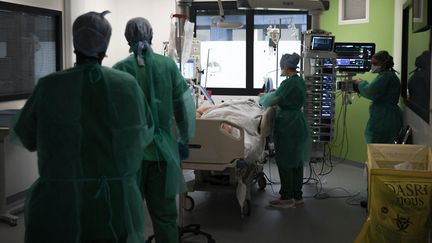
(354, 57)
(322, 43)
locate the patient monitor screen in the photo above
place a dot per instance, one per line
(322, 43)
(354, 57)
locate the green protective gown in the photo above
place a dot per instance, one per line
(89, 125)
(385, 119)
(419, 88)
(171, 102)
(291, 131)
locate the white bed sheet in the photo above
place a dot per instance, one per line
(246, 114)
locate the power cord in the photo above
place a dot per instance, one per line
(269, 178)
(343, 144)
(326, 168)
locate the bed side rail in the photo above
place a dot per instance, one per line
(213, 145)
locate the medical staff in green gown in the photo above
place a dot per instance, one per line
(419, 82)
(291, 132)
(171, 102)
(89, 125)
(385, 116)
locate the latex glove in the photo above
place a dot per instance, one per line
(355, 87)
(183, 151)
(357, 81)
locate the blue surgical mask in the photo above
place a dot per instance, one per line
(375, 69)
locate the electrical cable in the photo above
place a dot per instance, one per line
(344, 190)
(353, 199)
(345, 134)
(269, 179)
(356, 200)
(342, 113)
(330, 165)
(337, 122)
(310, 176)
(320, 194)
(344, 141)
(347, 145)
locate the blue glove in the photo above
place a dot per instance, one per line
(183, 151)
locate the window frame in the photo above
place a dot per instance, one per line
(230, 5)
(343, 21)
(58, 18)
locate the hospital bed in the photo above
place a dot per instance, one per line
(219, 160)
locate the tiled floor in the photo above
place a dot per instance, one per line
(327, 220)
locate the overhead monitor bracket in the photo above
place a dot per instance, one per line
(314, 7)
(309, 5)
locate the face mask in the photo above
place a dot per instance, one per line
(375, 69)
(283, 72)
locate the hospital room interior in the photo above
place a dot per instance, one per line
(226, 121)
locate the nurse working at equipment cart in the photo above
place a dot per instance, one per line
(385, 116)
(291, 132)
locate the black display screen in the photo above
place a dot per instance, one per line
(322, 43)
(354, 57)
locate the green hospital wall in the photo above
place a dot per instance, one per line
(379, 30)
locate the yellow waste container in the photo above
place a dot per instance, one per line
(399, 194)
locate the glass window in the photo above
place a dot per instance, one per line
(353, 11)
(240, 60)
(417, 9)
(266, 53)
(223, 51)
(28, 51)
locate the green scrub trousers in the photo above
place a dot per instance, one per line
(162, 209)
(291, 182)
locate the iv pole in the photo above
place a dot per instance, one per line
(277, 54)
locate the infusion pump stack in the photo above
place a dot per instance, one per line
(191, 69)
(319, 73)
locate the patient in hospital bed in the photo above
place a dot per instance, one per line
(244, 113)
